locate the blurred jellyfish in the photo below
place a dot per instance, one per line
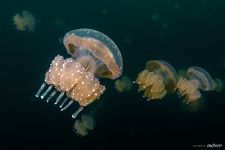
(158, 79)
(155, 17)
(93, 55)
(198, 79)
(86, 123)
(123, 84)
(24, 22)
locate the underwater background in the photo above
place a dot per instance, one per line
(182, 32)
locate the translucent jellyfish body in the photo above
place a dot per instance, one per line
(158, 79)
(25, 21)
(197, 79)
(93, 55)
(86, 123)
(123, 84)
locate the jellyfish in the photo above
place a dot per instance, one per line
(197, 79)
(123, 84)
(158, 79)
(24, 22)
(93, 56)
(86, 123)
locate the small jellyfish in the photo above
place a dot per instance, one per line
(197, 79)
(93, 55)
(86, 123)
(24, 22)
(123, 84)
(158, 79)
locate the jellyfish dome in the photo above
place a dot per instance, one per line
(93, 55)
(97, 47)
(158, 79)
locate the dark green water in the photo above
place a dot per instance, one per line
(184, 33)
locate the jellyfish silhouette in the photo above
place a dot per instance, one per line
(93, 55)
(158, 79)
(197, 79)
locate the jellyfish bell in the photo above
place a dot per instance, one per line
(166, 70)
(205, 80)
(202, 78)
(93, 55)
(158, 79)
(99, 46)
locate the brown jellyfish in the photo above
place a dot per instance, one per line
(93, 55)
(24, 21)
(86, 123)
(198, 79)
(158, 79)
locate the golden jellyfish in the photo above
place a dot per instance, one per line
(198, 79)
(86, 123)
(24, 21)
(93, 55)
(158, 79)
(123, 84)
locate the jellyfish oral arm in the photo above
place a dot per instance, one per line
(75, 78)
(76, 113)
(196, 83)
(87, 60)
(40, 90)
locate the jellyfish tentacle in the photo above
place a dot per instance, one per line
(40, 90)
(59, 97)
(46, 92)
(76, 113)
(64, 101)
(50, 96)
(70, 103)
